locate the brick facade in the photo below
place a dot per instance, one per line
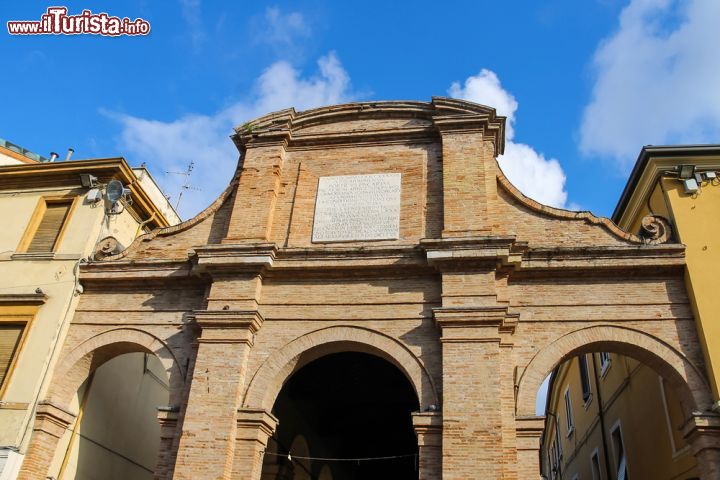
(482, 295)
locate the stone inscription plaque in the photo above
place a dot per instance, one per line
(357, 207)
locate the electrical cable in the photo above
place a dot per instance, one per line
(56, 341)
(324, 459)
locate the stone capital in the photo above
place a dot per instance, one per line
(476, 324)
(255, 424)
(528, 431)
(428, 427)
(167, 418)
(53, 419)
(702, 431)
(228, 326)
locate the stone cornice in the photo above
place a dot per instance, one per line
(286, 127)
(390, 257)
(219, 258)
(22, 299)
(130, 270)
(446, 252)
(603, 257)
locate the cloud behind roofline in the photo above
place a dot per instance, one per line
(202, 138)
(536, 176)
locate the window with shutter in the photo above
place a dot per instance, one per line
(568, 411)
(619, 449)
(584, 377)
(10, 335)
(45, 230)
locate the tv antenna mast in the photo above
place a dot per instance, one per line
(186, 182)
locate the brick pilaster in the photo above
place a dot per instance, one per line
(428, 429)
(254, 429)
(528, 431)
(168, 420)
(702, 432)
(51, 422)
(257, 193)
(469, 178)
(207, 445)
(472, 390)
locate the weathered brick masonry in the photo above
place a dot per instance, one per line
(482, 295)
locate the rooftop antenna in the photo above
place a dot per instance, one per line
(186, 183)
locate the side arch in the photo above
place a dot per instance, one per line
(683, 376)
(75, 366)
(267, 381)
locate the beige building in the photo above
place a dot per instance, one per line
(56, 216)
(11, 154)
(370, 298)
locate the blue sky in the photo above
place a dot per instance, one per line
(585, 83)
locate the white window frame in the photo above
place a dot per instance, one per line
(595, 455)
(586, 401)
(605, 362)
(619, 462)
(676, 452)
(568, 412)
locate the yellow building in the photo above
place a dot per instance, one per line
(625, 420)
(609, 416)
(55, 216)
(680, 184)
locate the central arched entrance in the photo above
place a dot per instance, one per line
(344, 416)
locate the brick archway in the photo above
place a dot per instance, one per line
(685, 378)
(75, 366)
(281, 364)
(54, 415)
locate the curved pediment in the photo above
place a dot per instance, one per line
(443, 155)
(371, 122)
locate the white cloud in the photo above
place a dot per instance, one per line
(485, 88)
(282, 31)
(170, 146)
(192, 14)
(536, 176)
(657, 80)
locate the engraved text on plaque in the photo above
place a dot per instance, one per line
(357, 207)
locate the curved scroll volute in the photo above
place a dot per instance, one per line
(655, 229)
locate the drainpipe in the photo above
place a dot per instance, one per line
(601, 416)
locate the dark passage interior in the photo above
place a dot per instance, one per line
(344, 406)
